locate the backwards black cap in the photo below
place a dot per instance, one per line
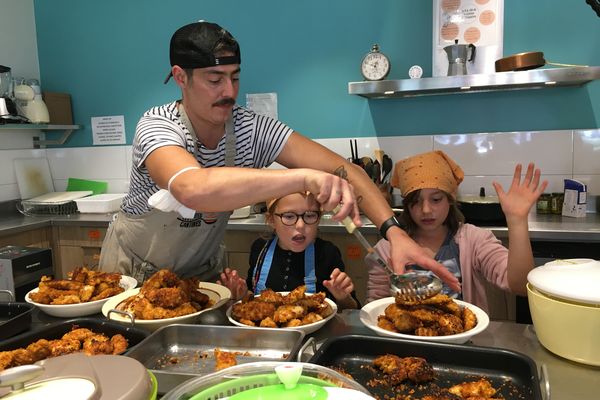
(196, 45)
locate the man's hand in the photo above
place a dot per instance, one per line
(405, 251)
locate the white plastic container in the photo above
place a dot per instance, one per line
(100, 203)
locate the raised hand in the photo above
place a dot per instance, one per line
(235, 283)
(522, 194)
(340, 285)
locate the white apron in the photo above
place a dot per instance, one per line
(140, 245)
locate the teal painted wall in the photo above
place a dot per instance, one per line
(112, 57)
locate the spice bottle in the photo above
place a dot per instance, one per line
(544, 204)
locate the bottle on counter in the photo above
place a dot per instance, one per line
(544, 204)
(556, 202)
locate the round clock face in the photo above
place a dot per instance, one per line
(375, 66)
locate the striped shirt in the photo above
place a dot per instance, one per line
(259, 140)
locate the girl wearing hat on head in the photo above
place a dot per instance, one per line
(294, 256)
(429, 183)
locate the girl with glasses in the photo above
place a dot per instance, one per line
(294, 256)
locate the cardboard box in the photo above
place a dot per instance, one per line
(59, 108)
(575, 200)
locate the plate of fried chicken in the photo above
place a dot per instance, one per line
(438, 319)
(83, 293)
(296, 309)
(165, 299)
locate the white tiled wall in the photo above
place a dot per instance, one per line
(484, 157)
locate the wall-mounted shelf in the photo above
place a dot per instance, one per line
(532, 79)
(37, 143)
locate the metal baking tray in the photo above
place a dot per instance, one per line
(178, 352)
(14, 318)
(58, 329)
(514, 375)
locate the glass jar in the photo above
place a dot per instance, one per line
(556, 203)
(544, 204)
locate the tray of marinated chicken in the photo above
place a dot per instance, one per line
(79, 335)
(409, 369)
(178, 352)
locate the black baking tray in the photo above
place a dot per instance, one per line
(15, 318)
(58, 329)
(514, 375)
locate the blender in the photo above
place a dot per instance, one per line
(8, 110)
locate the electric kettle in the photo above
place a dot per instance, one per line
(458, 56)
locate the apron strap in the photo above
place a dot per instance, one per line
(310, 278)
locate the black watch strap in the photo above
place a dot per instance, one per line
(387, 224)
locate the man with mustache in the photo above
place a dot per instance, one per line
(203, 156)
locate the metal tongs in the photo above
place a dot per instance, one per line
(410, 286)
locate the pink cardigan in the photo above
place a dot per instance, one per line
(482, 257)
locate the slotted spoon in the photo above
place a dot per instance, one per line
(410, 286)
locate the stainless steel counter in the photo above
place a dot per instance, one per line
(541, 227)
(568, 380)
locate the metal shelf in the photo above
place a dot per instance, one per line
(37, 143)
(462, 84)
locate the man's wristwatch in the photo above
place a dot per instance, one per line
(387, 224)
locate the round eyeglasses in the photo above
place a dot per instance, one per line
(290, 218)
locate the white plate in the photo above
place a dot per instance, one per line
(308, 328)
(370, 312)
(81, 309)
(217, 293)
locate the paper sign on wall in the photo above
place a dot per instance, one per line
(262, 103)
(108, 130)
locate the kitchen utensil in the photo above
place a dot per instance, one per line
(386, 168)
(354, 152)
(521, 61)
(564, 302)
(376, 172)
(306, 329)
(33, 177)
(458, 56)
(79, 309)
(371, 311)
(513, 374)
(100, 203)
(218, 294)
(414, 285)
(482, 210)
(240, 378)
(178, 352)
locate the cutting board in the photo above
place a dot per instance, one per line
(33, 177)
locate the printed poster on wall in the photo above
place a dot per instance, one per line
(477, 22)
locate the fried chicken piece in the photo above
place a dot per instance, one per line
(119, 343)
(388, 363)
(248, 322)
(292, 323)
(311, 318)
(253, 310)
(325, 310)
(68, 299)
(224, 359)
(97, 344)
(39, 350)
(79, 274)
(167, 297)
(78, 334)
(22, 357)
(270, 296)
(6, 360)
(481, 388)
(268, 323)
(450, 324)
(144, 309)
(442, 396)
(62, 346)
(469, 318)
(86, 293)
(40, 297)
(418, 369)
(111, 291)
(161, 279)
(386, 324)
(403, 320)
(295, 295)
(426, 331)
(426, 314)
(190, 287)
(288, 312)
(62, 284)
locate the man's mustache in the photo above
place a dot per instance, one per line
(228, 101)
